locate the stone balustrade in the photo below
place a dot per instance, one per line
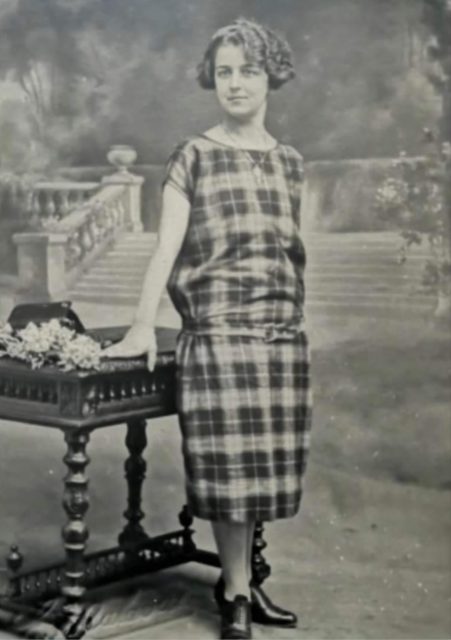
(73, 225)
(54, 200)
(92, 225)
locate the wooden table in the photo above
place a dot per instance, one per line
(77, 403)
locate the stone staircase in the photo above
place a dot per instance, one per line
(357, 273)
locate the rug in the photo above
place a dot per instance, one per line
(112, 612)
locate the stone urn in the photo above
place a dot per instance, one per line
(121, 156)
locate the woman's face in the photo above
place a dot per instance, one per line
(241, 85)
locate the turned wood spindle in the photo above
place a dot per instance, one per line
(260, 568)
(186, 520)
(75, 532)
(14, 559)
(135, 466)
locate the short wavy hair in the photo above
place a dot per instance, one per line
(261, 46)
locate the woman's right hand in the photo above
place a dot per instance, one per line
(139, 340)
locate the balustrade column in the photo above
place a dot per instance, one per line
(41, 264)
(132, 185)
(122, 157)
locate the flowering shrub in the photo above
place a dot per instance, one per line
(50, 343)
(413, 200)
(15, 205)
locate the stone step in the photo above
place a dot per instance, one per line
(321, 269)
(315, 273)
(137, 237)
(379, 238)
(326, 269)
(313, 252)
(322, 261)
(370, 238)
(340, 241)
(331, 252)
(336, 276)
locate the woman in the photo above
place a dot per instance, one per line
(230, 252)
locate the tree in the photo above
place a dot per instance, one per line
(37, 48)
(70, 59)
(98, 72)
(417, 197)
(437, 17)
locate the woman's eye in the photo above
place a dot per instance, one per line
(251, 71)
(222, 73)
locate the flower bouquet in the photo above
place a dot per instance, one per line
(50, 343)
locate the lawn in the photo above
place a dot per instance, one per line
(383, 404)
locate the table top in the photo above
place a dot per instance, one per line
(121, 390)
(104, 335)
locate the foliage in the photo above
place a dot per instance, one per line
(69, 69)
(50, 343)
(15, 211)
(15, 195)
(99, 72)
(413, 199)
(437, 17)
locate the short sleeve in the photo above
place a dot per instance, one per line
(181, 169)
(299, 171)
(301, 168)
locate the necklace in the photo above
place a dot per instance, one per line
(256, 162)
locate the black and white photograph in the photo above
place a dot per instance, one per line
(225, 319)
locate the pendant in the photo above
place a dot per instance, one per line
(257, 173)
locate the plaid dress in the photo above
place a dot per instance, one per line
(243, 389)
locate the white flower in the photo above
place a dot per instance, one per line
(48, 343)
(6, 329)
(82, 352)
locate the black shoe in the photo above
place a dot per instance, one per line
(263, 610)
(236, 619)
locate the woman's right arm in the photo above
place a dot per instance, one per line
(140, 338)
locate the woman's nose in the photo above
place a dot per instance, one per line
(235, 80)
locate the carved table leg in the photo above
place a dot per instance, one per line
(75, 532)
(186, 520)
(14, 562)
(260, 568)
(133, 533)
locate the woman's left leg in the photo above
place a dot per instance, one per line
(233, 591)
(234, 543)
